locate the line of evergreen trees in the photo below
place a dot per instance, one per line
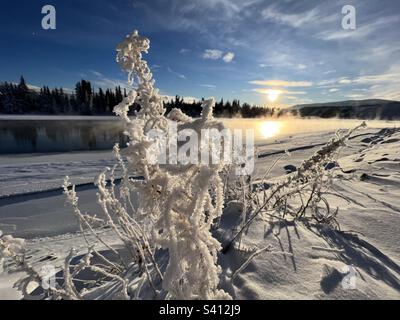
(19, 99)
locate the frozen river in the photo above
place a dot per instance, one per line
(49, 134)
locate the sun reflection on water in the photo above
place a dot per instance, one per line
(269, 129)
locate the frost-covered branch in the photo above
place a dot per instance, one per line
(312, 172)
(10, 247)
(175, 205)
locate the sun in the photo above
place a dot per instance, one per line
(273, 95)
(269, 129)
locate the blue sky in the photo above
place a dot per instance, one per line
(228, 49)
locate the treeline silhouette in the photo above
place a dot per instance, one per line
(85, 100)
(366, 110)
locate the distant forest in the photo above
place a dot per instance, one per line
(385, 110)
(19, 99)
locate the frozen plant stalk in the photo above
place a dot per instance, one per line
(9, 248)
(177, 203)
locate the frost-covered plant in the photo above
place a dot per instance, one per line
(14, 251)
(10, 248)
(174, 209)
(140, 264)
(175, 206)
(177, 203)
(307, 186)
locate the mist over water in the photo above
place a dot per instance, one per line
(64, 135)
(269, 129)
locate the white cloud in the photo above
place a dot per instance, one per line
(383, 86)
(391, 77)
(345, 81)
(110, 83)
(104, 82)
(378, 78)
(209, 86)
(268, 90)
(179, 75)
(361, 31)
(378, 52)
(228, 57)
(96, 73)
(301, 66)
(355, 96)
(295, 92)
(292, 19)
(212, 54)
(282, 83)
(323, 22)
(328, 83)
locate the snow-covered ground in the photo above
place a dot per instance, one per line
(30, 173)
(50, 117)
(369, 217)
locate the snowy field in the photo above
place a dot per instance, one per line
(31, 173)
(32, 206)
(52, 117)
